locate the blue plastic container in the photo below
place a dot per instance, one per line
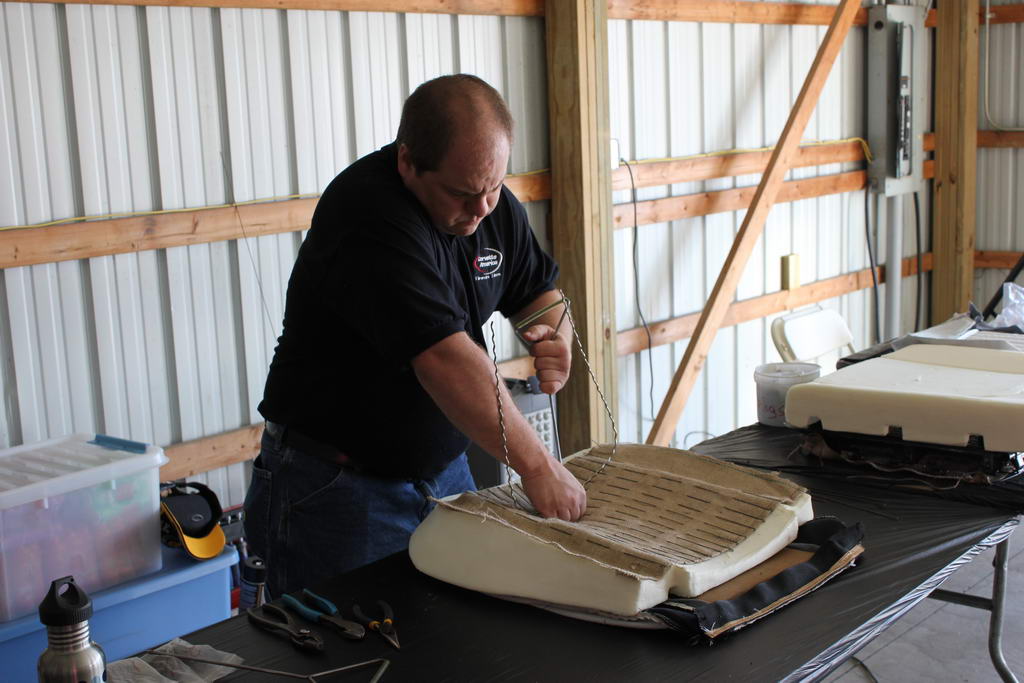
(184, 596)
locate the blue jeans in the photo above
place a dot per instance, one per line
(310, 520)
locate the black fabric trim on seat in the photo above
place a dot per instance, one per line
(697, 617)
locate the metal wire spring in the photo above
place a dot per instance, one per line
(501, 420)
(597, 385)
(593, 378)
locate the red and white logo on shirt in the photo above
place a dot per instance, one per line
(487, 263)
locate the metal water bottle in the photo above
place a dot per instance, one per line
(253, 585)
(71, 657)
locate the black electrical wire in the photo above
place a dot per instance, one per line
(871, 260)
(920, 274)
(636, 287)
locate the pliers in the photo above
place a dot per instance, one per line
(320, 610)
(276, 620)
(385, 626)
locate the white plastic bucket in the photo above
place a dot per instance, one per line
(773, 381)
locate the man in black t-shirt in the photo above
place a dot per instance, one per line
(380, 378)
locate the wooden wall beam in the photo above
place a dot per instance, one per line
(956, 153)
(753, 224)
(646, 174)
(33, 246)
(676, 329)
(706, 203)
(30, 246)
(1000, 138)
(530, 188)
(577, 67)
(194, 457)
(711, 11)
(996, 259)
(487, 7)
(726, 11)
(986, 138)
(72, 241)
(1003, 14)
(752, 12)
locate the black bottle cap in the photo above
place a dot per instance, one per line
(65, 607)
(254, 570)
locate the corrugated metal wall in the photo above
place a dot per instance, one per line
(118, 109)
(682, 89)
(1000, 215)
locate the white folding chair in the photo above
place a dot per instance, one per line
(809, 333)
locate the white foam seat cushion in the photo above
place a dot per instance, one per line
(658, 521)
(934, 393)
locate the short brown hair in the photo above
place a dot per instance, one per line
(429, 116)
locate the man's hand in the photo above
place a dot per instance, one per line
(555, 492)
(552, 356)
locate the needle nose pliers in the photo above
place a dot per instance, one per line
(384, 626)
(320, 610)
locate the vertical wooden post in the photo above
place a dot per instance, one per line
(577, 51)
(753, 224)
(956, 156)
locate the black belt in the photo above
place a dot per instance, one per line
(307, 445)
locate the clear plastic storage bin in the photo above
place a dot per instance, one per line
(72, 506)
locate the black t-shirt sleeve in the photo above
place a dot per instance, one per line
(391, 290)
(532, 272)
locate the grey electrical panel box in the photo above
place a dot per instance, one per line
(897, 86)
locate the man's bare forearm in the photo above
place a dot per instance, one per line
(553, 318)
(459, 376)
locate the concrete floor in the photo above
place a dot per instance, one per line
(938, 641)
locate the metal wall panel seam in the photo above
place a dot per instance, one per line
(42, 365)
(79, 339)
(621, 126)
(183, 183)
(749, 133)
(374, 44)
(61, 311)
(94, 38)
(10, 427)
(429, 53)
(26, 386)
(650, 104)
(686, 126)
(718, 64)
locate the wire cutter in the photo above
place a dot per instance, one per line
(276, 620)
(385, 626)
(320, 610)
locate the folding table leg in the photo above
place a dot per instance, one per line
(994, 605)
(995, 629)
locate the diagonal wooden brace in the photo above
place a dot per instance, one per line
(753, 224)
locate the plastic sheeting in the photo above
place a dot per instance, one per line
(913, 542)
(776, 448)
